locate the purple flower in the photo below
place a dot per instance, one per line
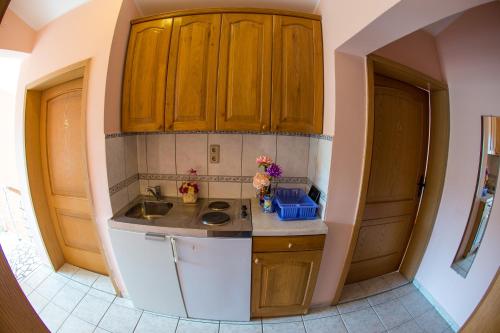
(274, 170)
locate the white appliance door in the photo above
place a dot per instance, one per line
(215, 277)
(147, 265)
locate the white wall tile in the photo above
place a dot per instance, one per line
(168, 187)
(160, 151)
(191, 152)
(248, 191)
(230, 154)
(133, 190)
(322, 174)
(119, 200)
(254, 146)
(293, 155)
(224, 190)
(292, 185)
(203, 186)
(131, 167)
(115, 160)
(313, 158)
(142, 165)
(143, 183)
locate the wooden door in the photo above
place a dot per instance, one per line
(143, 105)
(399, 154)
(297, 101)
(244, 85)
(64, 165)
(283, 282)
(192, 73)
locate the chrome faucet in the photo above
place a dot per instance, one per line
(155, 191)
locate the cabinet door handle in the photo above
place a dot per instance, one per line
(290, 245)
(256, 261)
(174, 249)
(154, 236)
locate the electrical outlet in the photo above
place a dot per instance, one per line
(214, 154)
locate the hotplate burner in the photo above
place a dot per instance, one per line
(218, 205)
(215, 218)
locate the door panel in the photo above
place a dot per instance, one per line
(283, 282)
(399, 155)
(297, 75)
(244, 85)
(192, 73)
(144, 79)
(62, 128)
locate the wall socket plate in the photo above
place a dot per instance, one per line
(214, 154)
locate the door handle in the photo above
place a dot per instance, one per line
(421, 185)
(154, 236)
(174, 249)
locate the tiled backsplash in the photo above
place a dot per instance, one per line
(137, 161)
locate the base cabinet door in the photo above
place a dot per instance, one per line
(283, 282)
(146, 262)
(143, 103)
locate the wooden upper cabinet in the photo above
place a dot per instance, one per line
(244, 84)
(143, 102)
(192, 73)
(297, 101)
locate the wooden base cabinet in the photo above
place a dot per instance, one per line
(284, 278)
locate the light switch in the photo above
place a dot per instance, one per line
(214, 154)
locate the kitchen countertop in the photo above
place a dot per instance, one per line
(270, 225)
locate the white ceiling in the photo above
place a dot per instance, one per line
(437, 27)
(149, 7)
(37, 13)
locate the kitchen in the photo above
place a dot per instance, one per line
(223, 235)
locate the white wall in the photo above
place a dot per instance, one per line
(470, 58)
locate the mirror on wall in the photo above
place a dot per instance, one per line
(484, 196)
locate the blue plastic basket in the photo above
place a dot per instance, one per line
(294, 204)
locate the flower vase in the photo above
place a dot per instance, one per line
(189, 197)
(265, 191)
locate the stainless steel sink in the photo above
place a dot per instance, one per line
(149, 210)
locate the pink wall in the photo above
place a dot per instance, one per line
(15, 34)
(470, 56)
(86, 32)
(417, 50)
(112, 116)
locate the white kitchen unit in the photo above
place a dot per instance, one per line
(215, 276)
(147, 265)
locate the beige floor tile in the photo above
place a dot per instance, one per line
(67, 270)
(325, 325)
(408, 327)
(68, 297)
(432, 322)
(75, 325)
(382, 298)
(415, 303)
(188, 326)
(53, 316)
(152, 323)
(392, 314)
(294, 327)
(374, 286)
(363, 321)
(85, 277)
(394, 279)
(103, 283)
(119, 319)
(322, 312)
(353, 306)
(236, 328)
(287, 319)
(91, 309)
(51, 285)
(38, 302)
(351, 292)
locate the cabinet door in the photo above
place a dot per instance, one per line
(192, 73)
(297, 75)
(244, 85)
(143, 102)
(147, 265)
(283, 282)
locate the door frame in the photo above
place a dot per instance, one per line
(32, 147)
(437, 158)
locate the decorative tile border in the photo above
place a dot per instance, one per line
(206, 178)
(316, 136)
(123, 184)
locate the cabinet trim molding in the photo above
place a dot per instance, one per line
(227, 10)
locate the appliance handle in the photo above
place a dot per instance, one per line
(174, 249)
(155, 236)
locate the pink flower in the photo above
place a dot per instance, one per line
(261, 180)
(264, 160)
